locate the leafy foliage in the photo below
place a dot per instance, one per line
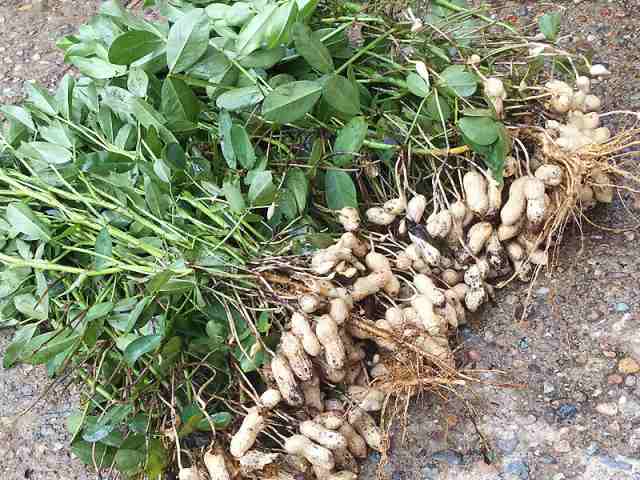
(136, 197)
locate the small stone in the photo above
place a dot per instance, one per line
(615, 464)
(609, 353)
(548, 388)
(563, 446)
(450, 457)
(567, 411)
(474, 356)
(628, 366)
(520, 469)
(614, 379)
(558, 476)
(592, 449)
(507, 445)
(622, 307)
(630, 381)
(610, 409)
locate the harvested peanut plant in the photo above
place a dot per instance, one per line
(252, 229)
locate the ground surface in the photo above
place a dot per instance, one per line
(579, 415)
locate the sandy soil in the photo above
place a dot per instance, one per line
(578, 415)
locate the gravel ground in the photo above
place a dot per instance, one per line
(575, 350)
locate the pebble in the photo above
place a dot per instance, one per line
(520, 469)
(548, 388)
(616, 464)
(474, 356)
(629, 408)
(615, 379)
(567, 411)
(592, 449)
(628, 366)
(630, 381)
(450, 457)
(622, 307)
(563, 446)
(607, 408)
(507, 445)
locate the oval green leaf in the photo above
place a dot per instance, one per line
(312, 50)
(349, 141)
(292, 101)
(239, 98)
(132, 46)
(480, 130)
(188, 40)
(339, 190)
(417, 85)
(140, 346)
(342, 95)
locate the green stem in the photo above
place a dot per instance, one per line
(457, 8)
(366, 49)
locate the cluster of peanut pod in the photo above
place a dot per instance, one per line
(438, 268)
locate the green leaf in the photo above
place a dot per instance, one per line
(240, 98)
(306, 7)
(97, 68)
(224, 129)
(99, 310)
(129, 461)
(264, 58)
(28, 305)
(238, 14)
(174, 156)
(312, 50)
(132, 46)
(262, 188)
(417, 85)
(179, 102)
(152, 196)
(549, 24)
(342, 95)
(104, 163)
(233, 194)
(459, 81)
(138, 82)
(292, 101)
(51, 349)
(158, 281)
(340, 190)
(24, 221)
(97, 454)
(480, 130)
(104, 248)
(242, 146)
(349, 141)
(438, 108)
(140, 346)
(41, 99)
(188, 40)
(498, 154)
(252, 35)
(278, 29)
(134, 315)
(56, 133)
(20, 339)
(46, 152)
(64, 96)
(298, 184)
(221, 420)
(157, 458)
(20, 115)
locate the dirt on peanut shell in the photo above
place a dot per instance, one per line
(578, 414)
